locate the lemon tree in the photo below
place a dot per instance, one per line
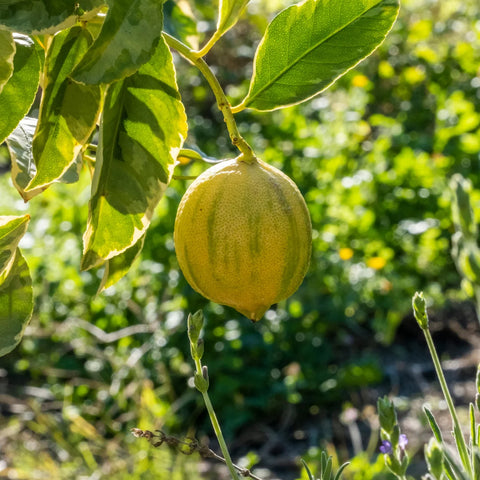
(104, 74)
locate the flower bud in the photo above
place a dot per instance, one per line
(462, 212)
(195, 324)
(201, 383)
(420, 310)
(386, 447)
(386, 414)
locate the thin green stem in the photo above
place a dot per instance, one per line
(222, 101)
(184, 177)
(477, 301)
(461, 444)
(238, 108)
(208, 46)
(216, 426)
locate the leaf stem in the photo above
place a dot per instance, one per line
(460, 440)
(477, 300)
(239, 107)
(216, 426)
(184, 177)
(208, 46)
(222, 101)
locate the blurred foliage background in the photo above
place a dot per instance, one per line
(372, 155)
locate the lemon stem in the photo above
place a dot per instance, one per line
(222, 101)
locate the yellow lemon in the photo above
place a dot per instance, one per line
(243, 236)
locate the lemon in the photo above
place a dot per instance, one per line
(243, 236)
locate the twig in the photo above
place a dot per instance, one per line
(187, 447)
(105, 337)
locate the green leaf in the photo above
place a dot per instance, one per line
(117, 267)
(476, 461)
(433, 425)
(230, 10)
(12, 230)
(201, 383)
(308, 46)
(69, 111)
(340, 470)
(143, 128)
(7, 49)
(327, 472)
(187, 154)
(19, 145)
(18, 94)
(473, 427)
(309, 473)
(45, 16)
(462, 212)
(16, 304)
(180, 23)
(128, 39)
(23, 167)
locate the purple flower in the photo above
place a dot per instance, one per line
(386, 447)
(403, 441)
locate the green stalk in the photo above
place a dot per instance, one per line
(222, 101)
(216, 425)
(207, 47)
(460, 440)
(477, 300)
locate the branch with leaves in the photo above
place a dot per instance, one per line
(104, 68)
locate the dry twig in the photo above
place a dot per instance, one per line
(187, 447)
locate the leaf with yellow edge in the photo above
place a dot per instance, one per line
(143, 128)
(128, 39)
(12, 229)
(117, 267)
(69, 111)
(230, 10)
(7, 52)
(16, 303)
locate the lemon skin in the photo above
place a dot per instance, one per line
(243, 236)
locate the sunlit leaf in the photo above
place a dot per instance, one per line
(230, 10)
(117, 267)
(309, 473)
(308, 46)
(143, 127)
(23, 167)
(16, 304)
(18, 94)
(12, 230)
(180, 22)
(7, 52)
(45, 16)
(127, 40)
(187, 154)
(69, 111)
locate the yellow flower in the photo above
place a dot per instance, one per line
(360, 81)
(345, 253)
(377, 263)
